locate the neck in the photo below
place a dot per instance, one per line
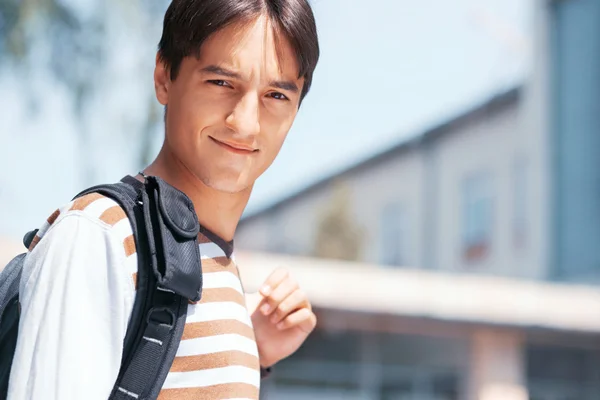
(217, 211)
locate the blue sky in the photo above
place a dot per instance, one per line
(388, 70)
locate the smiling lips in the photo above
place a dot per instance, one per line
(237, 148)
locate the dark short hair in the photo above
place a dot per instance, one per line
(188, 23)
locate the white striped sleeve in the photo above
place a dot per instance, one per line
(205, 312)
(209, 377)
(216, 344)
(75, 303)
(210, 250)
(221, 279)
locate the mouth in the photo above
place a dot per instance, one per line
(236, 148)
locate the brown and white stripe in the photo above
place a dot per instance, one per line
(217, 357)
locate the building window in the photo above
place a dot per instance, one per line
(394, 235)
(477, 217)
(562, 372)
(520, 220)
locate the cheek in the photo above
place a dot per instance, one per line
(276, 138)
(196, 106)
(277, 128)
(275, 135)
(197, 112)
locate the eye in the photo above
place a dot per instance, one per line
(278, 96)
(219, 82)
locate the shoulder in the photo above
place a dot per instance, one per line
(91, 237)
(98, 210)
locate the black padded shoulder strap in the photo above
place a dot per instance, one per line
(169, 273)
(128, 194)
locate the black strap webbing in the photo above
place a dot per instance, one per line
(144, 376)
(159, 314)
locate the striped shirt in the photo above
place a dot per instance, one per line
(77, 294)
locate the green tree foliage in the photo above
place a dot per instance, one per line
(76, 47)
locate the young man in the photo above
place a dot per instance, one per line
(231, 75)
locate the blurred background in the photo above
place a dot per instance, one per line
(438, 196)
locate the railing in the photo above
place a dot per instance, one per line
(362, 381)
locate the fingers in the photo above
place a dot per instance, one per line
(303, 319)
(293, 302)
(285, 286)
(285, 304)
(273, 281)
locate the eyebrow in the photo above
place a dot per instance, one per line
(283, 85)
(214, 69)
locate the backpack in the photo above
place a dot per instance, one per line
(165, 228)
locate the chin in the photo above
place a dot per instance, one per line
(227, 185)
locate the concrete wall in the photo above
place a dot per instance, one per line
(490, 147)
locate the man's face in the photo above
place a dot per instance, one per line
(230, 110)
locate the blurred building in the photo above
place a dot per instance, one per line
(414, 334)
(503, 202)
(458, 198)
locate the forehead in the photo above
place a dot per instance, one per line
(251, 47)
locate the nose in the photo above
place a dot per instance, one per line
(244, 118)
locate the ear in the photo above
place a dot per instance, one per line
(162, 81)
